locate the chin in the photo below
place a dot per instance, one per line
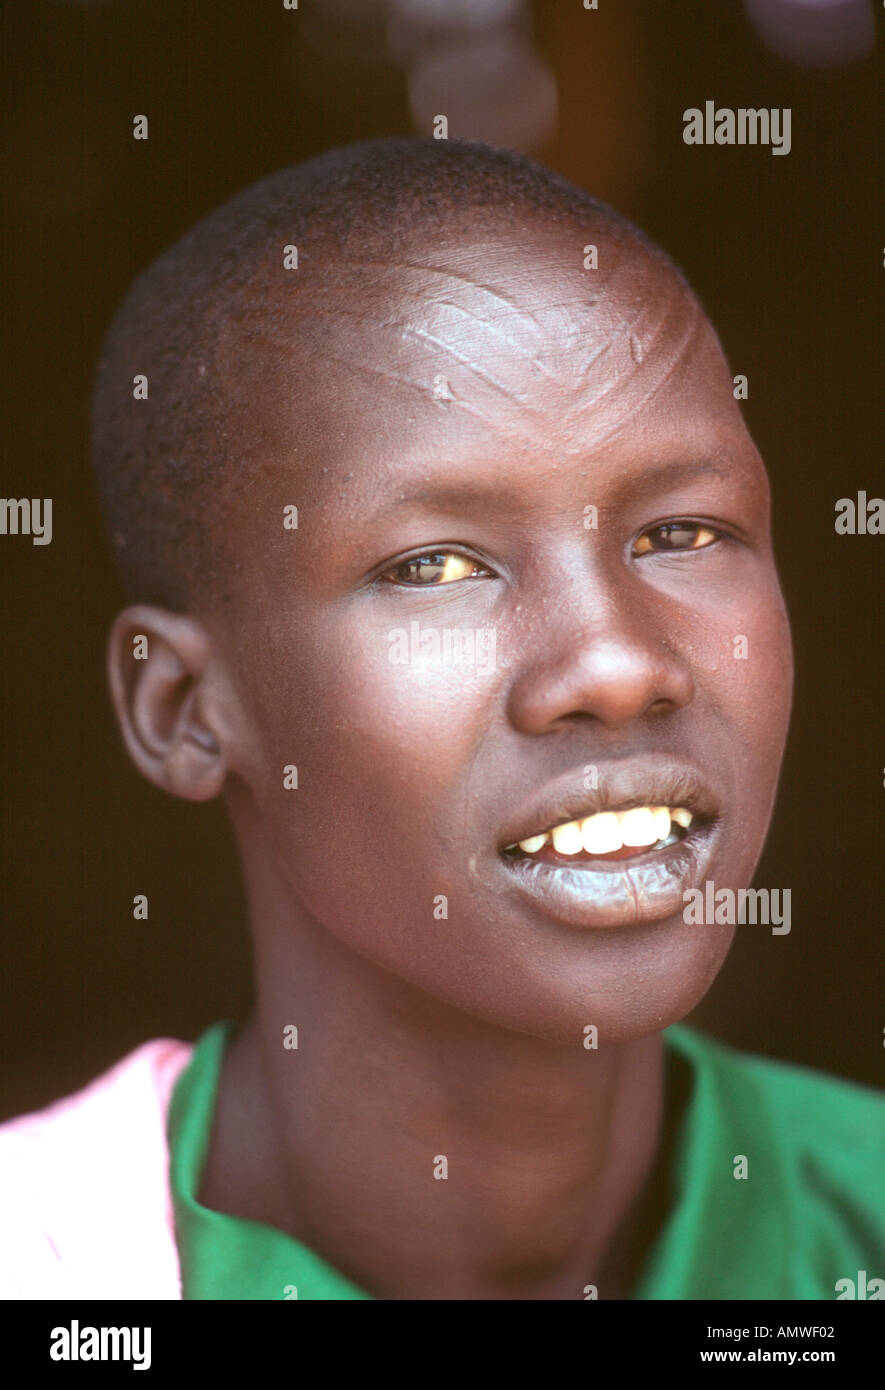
(627, 984)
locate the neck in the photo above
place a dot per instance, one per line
(422, 1152)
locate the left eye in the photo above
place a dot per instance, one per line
(435, 568)
(675, 535)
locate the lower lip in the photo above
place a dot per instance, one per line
(621, 893)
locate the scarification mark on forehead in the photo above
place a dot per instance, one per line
(646, 384)
(448, 273)
(479, 363)
(520, 326)
(580, 421)
(634, 345)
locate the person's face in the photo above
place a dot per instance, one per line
(474, 408)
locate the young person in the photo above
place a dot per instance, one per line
(439, 520)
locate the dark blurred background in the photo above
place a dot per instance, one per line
(786, 252)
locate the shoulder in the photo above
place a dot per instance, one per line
(811, 1108)
(84, 1198)
(814, 1146)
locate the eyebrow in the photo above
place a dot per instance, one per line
(472, 490)
(686, 470)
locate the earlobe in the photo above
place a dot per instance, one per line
(164, 687)
(194, 767)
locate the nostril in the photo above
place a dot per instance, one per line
(660, 707)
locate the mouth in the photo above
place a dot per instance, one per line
(620, 855)
(607, 836)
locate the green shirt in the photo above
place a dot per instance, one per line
(810, 1212)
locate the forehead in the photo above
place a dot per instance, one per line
(500, 342)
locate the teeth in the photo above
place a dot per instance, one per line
(638, 827)
(533, 843)
(567, 839)
(607, 831)
(601, 833)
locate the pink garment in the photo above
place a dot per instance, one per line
(85, 1205)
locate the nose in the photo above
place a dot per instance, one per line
(600, 655)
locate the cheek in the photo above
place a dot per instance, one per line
(755, 676)
(733, 633)
(370, 837)
(750, 691)
(380, 725)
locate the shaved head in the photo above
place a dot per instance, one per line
(489, 432)
(226, 334)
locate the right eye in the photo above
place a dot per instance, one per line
(434, 568)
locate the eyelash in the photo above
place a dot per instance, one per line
(680, 523)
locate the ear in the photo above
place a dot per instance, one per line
(168, 693)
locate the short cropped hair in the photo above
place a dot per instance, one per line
(164, 463)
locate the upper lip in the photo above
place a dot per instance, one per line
(652, 780)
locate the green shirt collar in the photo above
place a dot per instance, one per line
(721, 1236)
(225, 1257)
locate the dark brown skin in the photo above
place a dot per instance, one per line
(464, 1037)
